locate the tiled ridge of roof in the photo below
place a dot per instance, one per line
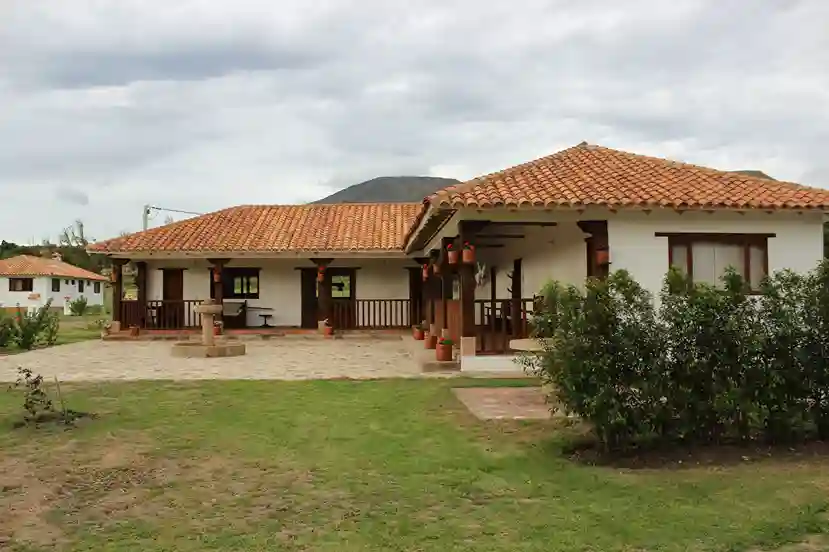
(29, 265)
(279, 228)
(587, 175)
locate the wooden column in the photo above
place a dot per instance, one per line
(117, 288)
(216, 284)
(141, 283)
(517, 293)
(325, 299)
(433, 286)
(466, 273)
(420, 310)
(446, 277)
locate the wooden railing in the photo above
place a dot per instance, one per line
(161, 315)
(370, 313)
(501, 320)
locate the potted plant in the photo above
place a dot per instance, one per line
(134, 331)
(321, 274)
(418, 332)
(217, 327)
(429, 340)
(444, 349)
(451, 254)
(436, 267)
(105, 326)
(468, 253)
(327, 329)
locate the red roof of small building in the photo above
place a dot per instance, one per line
(28, 265)
(587, 175)
(279, 228)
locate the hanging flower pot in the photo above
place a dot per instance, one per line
(443, 351)
(217, 275)
(425, 272)
(451, 254)
(436, 268)
(468, 253)
(602, 256)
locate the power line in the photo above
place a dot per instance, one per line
(145, 214)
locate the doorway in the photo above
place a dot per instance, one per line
(343, 297)
(171, 313)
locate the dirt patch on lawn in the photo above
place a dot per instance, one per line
(95, 486)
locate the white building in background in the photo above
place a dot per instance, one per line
(29, 282)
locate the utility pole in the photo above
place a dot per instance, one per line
(145, 217)
(147, 209)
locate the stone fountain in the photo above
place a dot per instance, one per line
(209, 346)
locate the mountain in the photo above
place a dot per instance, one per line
(390, 189)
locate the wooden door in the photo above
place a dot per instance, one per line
(308, 292)
(343, 297)
(171, 313)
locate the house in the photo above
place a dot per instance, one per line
(576, 213)
(29, 282)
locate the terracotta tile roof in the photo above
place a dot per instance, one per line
(593, 175)
(27, 265)
(279, 228)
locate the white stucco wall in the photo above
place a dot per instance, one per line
(280, 283)
(43, 288)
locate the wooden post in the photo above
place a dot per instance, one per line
(421, 291)
(325, 299)
(117, 288)
(216, 284)
(467, 284)
(141, 282)
(517, 294)
(433, 287)
(446, 278)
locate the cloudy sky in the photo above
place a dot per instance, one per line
(202, 104)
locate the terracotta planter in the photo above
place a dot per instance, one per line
(436, 268)
(217, 275)
(443, 353)
(468, 256)
(134, 330)
(217, 330)
(602, 257)
(418, 334)
(452, 256)
(425, 272)
(328, 331)
(430, 341)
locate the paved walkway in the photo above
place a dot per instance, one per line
(283, 359)
(504, 403)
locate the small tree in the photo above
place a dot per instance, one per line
(31, 326)
(7, 331)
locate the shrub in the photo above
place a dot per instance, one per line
(712, 365)
(36, 403)
(7, 331)
(32, 328)
(78, 306)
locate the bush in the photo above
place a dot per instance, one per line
(7, 331)
(78, 306)
(712, 365)
(34, 328)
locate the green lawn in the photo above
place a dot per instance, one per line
(351, 466)
(72, 330)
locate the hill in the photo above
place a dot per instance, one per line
(390, 189)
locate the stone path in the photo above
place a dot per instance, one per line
(504, 403)
(283, 359)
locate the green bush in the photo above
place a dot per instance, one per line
(36, 327)
(712, 365)
(7, 331)
(78, 306)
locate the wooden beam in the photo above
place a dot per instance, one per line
(466, 272)
(489, 245)
(117, 287)
(500, 236)
(530, 223)
(141, 282)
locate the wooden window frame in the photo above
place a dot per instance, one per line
(96, 287)
(746, 241)
(231, 273)
(55, 285)
(81, 286)
(28, 285)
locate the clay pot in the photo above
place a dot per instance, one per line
(468, 256)
(418, 334)
(436, 268)
(452, 256)
(602, 257)
(443, 353)
(217, 275)
(425, 272)
(134, 330)
(217, 330)
(328, 331)
(430, 341)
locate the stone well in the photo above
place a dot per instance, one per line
(209, 346)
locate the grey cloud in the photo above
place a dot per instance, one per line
(72, 196)
(136, 104)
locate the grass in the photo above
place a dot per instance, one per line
(72, 330)
(378, 465)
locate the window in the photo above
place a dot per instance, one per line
(239, 283)
(73, 282)
(707, 256)
(55, 284)
(96, 287)
(21, 284)
(80, 286)
(66, 282)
